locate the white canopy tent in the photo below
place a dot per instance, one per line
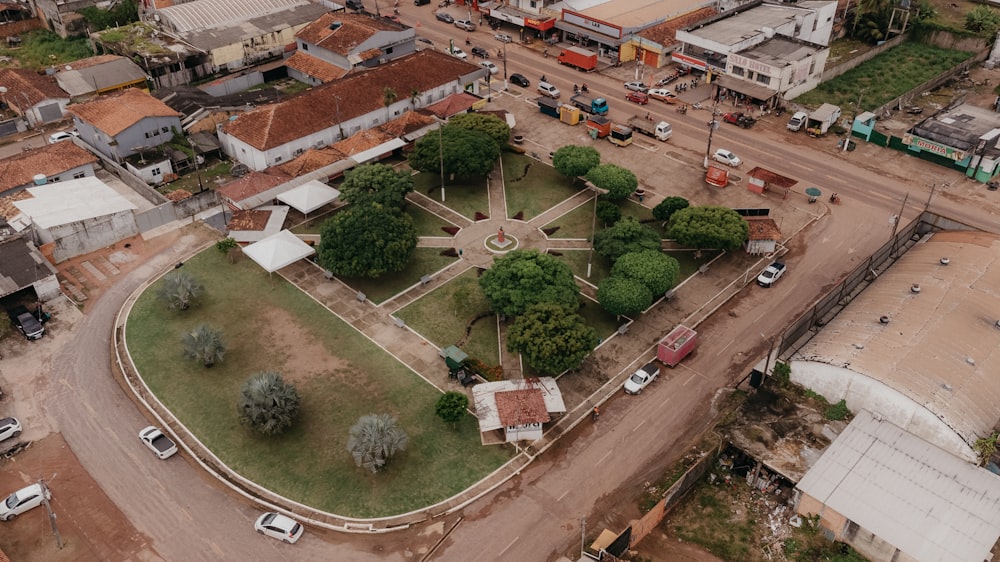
(278, 250)
(309, 196)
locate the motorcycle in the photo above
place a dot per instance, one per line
(835, 198)
(697, 106)
(682, 109)
(584, 88)
(576, 89)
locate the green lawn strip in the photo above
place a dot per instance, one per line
(442, 315)
(425, 261)
(43, 49)
(427, 223)
(574, 224)
(315, 224)
(884, 77)
(577, 261)
(531, 187)
(599, 319)
(310, 463)
(689, 263)
(465, 196)
(642, 214)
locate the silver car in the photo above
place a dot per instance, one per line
(465, 24)
(23, 500)
(9, 428)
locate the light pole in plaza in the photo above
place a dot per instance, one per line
(505, 66)
(593, 227)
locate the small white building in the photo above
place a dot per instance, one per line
(77, 217)
(516, 410)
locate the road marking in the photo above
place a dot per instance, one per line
(188, 514)
(725, 348)
(694, 375)
(218, 550)
(508, 546)
(664, 403)
(606, 455)
(638, 426)
(559, 499)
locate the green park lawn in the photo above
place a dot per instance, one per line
(601, 266)
(579, 222)
(532, 187)
(425, 261)
(465, 196)
(425, 223)
(340, 375)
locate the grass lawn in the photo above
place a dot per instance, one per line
(689, 263)
(427, 223)
(442, 315)
(425, 261)
(340, 376)
(314, 224)
(465, 196)
(531, 187)
(577, 261)
(189, 181)
(599, 319)
(41, 49)
(579, 222)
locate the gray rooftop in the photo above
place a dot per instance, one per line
(202, 14)
(960, 127)
(21, 265)
(66, 202)
(228, 33)
(927, 503)
(732, 30)
(99, 77)
(779, 51)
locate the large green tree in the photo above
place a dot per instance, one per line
(367, 241)
(374, 439)
(268, 405)
(376, 183)
(574, 161)
(492, 125)
(179, 289)
(451, 407)
(623, 295)
(654, 269)
(670, 205)
(551, 338)
(526, 277)
(465, 152)
(620, 182)
(626, 235)
(708, 227)
(205, 344)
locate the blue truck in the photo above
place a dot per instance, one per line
(587, 104)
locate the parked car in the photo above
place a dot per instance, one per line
(637, 97)
(355, 5)
(26, 322)
(445, 17)
(641, 378)
(480, 52)
(161, 445)
(426, 41)
(465, 24)
(489, 66)
(278, 526)
(547, 89)
(9, 428)
(726, 157)
(636, 87)
(739, 118)
(458, 53)
(503, 37)
(25, 499)
(60, 136)
(662, 94)
(421, 2)
(519, 80)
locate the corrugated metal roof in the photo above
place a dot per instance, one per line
(71, 201)
(922, 500)
(203, 14)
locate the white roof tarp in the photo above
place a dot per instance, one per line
(310, 196)
(278, 250)
(70, 201)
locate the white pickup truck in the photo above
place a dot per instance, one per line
(160, 444)
(771, 275)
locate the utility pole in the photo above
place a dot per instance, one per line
(52, 515)
(895, 225)
(441, 158)
(712, 125)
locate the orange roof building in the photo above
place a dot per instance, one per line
(57, 162)
(121, 125)
(37, 98)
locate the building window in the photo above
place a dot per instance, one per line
(155, 171)
(763, 79)
(388, 51)
(151, 134)
(165, 129)
(534, 4)
(305, 47)
(53, 179)
(277, 159)
(79, 175)
(738, 71)
(812, 67)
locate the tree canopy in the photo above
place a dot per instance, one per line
(983, 20)
(466, 152)
(268, 405)
(608, 213)
(620, 182)
(574, 161)
(492, 125)
(526, 277)
(367, 241)
(374, 439)
(551, 338)
(670, 205)
(179, 289)
(451, 406)
(626, 235)
(708, 227)
(654, 269)
(623, 295)
(376, 183)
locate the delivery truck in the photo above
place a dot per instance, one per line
(822, 119)
(578, 58)
(676, 345)
(588, 104)
(660, 131)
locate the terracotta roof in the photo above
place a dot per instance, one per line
(362, 141)
(314, 67)
(763, 228)
(49, 159)
(93, 61)
(114, 114)
(665, 34)
(354, 30)
(248, 220)
(309, 161)
(252, 184)
(21, 83)
(407, 123)
(520, 407)
(772, 178)
(452, 105)
(7, 208)
(358, 94)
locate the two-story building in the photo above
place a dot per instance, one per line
(50, 163)
(121, 125)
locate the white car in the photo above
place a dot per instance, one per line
(547, 89)
(23, 500)
(641, 378)
(458, 53)
(726, 157)
(503, 37)
(636, 87)
(278, 526)
(9, 427)
(161, 445)
(489, 66)
(60, 136)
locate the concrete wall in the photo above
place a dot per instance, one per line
(47, 288)
(83, 237)
(135, 136)
(233, 84)
(843, 529)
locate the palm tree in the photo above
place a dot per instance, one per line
(268, 404)
(389, 97)
(178, 290)
(374, 439)
(414, 97)
(204, 344)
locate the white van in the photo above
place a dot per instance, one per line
(798, 121)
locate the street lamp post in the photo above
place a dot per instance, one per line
(593, 227)
(441, 158)
(712, 125)
(505, 66)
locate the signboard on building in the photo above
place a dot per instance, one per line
(599, 27)
(931, 146)
(688, 61)
(750, 64)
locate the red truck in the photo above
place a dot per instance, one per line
(676, 345)
(578, 58)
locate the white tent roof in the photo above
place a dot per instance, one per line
(278, 250)
(309, 196)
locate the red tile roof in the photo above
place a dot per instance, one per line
(248, 220)
(357, 94)
(362, 141)
(665, 33)
(114, 114)
(21, 84)
(314, 67)
(407, 123)
(763, 228)
(310, 161)
(354, 30)
(7, 208)
(49, 160)
(252, 184)
(452, 105)
(520, 407)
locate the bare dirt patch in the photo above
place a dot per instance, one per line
(309, 358)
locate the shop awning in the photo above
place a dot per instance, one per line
(746, 88)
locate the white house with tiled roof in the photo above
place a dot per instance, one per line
(36, 98)
(121, 125)
(276, 133)
(57, 162)
(516, 410)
